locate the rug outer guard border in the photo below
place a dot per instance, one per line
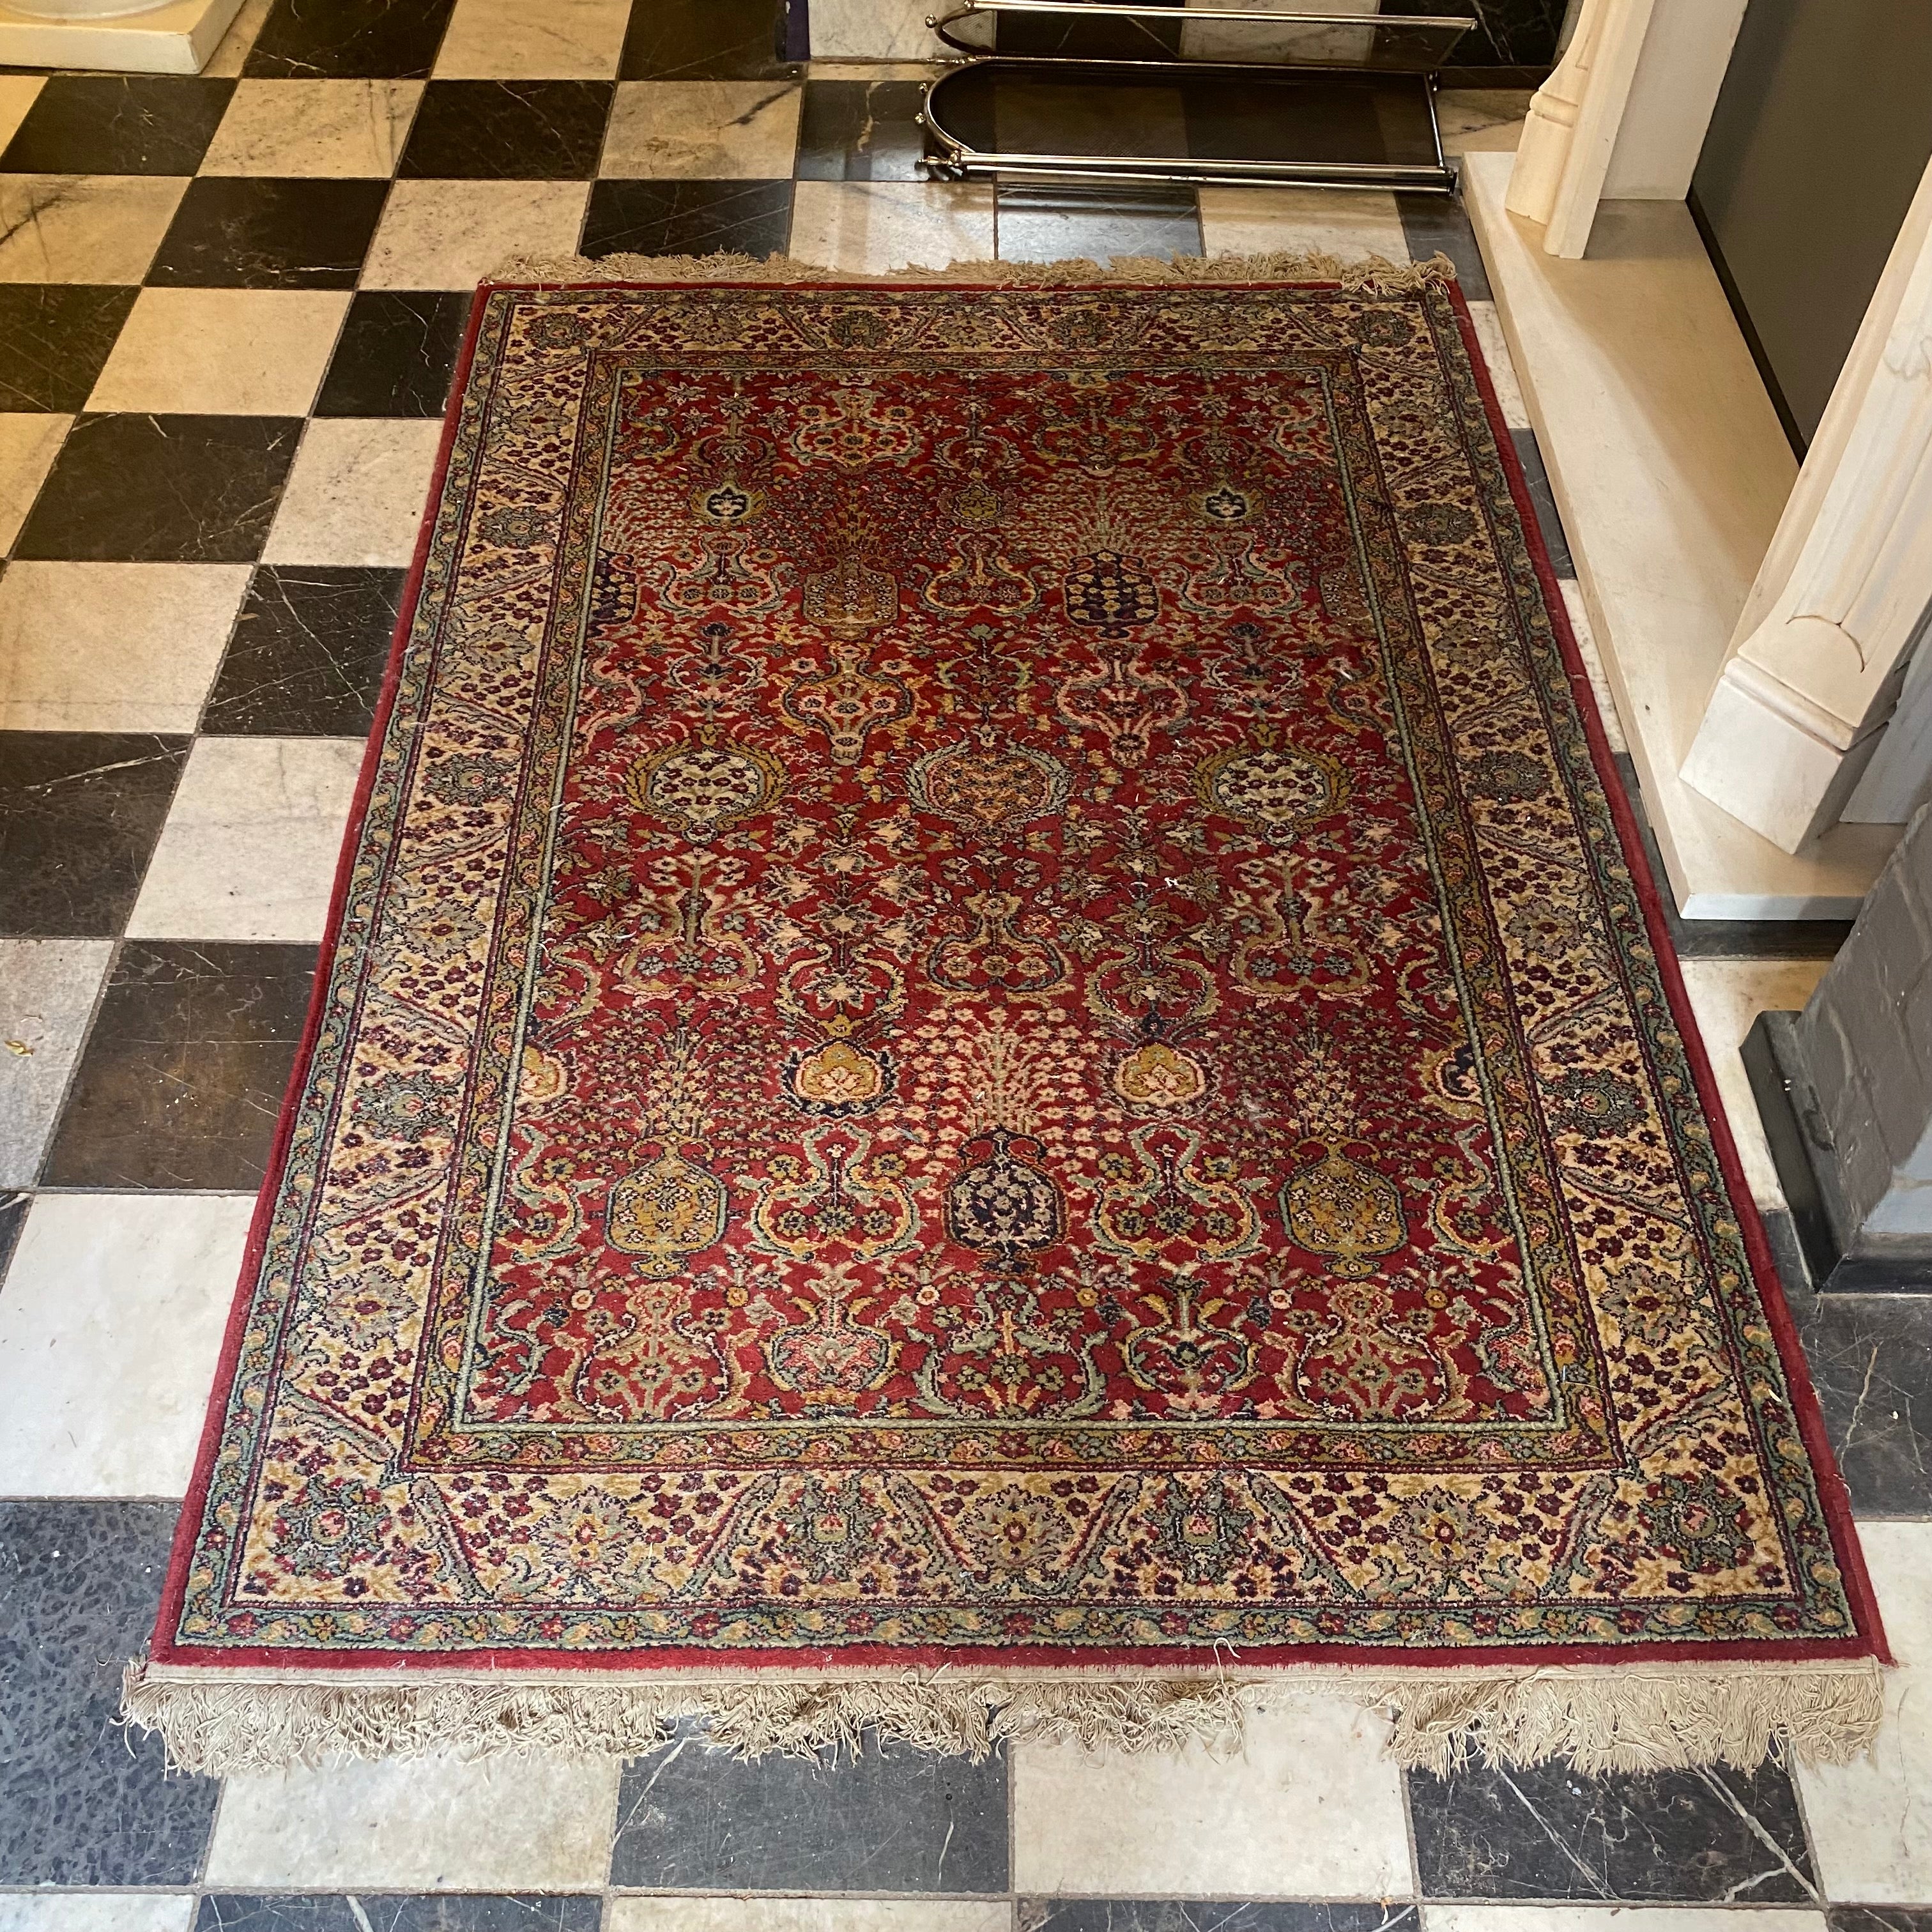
(1680, 1705)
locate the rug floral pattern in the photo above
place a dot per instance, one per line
(988, 1001)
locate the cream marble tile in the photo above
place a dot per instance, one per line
(807, 1914)
(1871, 1827)
(1593, 662)
(510, 40)
(1474, 119)
(96, 1912)
(875, 70)
(452, 234)
(83, 228)
(29, 442)
(703, 130)
(231, 54)
(1351, 223)
(880, 225)
(1571, 1918)
(109, 1331)
(517, 1824)
(249, 849)
(222, 352)
(1311, 1808)
(1727, 995)
(356, 492)
(1496, 357)
(340, 127)
(112, 647)
(17, 92)
(875, 30)
(47, 990)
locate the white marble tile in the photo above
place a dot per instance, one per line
(1475, 119)
(875, 70)
(250, 846)
(453, 234)
(17, 94)
(29, 442)
(1311, 1808)
(876, 30)
(112, 647)
(513, 1824)
(222, 352)
(510, 40)
(339, 127)
(703, 130)
(1871, 1827)
(1352, 223)
(109, 1331)
(1496, 358)
(879, 226)
(47, 990)
(96, 1912)
(807, 1914)
(83, 228)
(1572, 595)
(1572, 1918)
(231, 54)
(356, 492)
(1727, 995)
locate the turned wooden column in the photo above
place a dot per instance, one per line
(1822, 648)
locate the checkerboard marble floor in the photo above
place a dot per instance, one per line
(229, 310)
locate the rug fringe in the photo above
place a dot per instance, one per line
(1373, 274)
(1617, 1720)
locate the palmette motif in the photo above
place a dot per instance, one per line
(987, 998)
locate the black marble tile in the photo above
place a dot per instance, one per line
(375, 1911)
(117, 124)
(705, 39)
(1544, 499)
(1550, 1832)
(894, 1819)
(338, 40)
(80, 813)
(260, 232)
(1871, 1358)
(507, 130)
(1511, 33)
(1047, 223)
(159, 489)
(82, 1801)
(308, 653)
(688, 217)
(396, 355)
(54, 337)
(1194, 1915)
(1435, 224)
(14, 1203)
(859, 131)
(181, 1081)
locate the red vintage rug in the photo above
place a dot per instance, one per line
(995, 1056)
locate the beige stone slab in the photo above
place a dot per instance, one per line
(1310, 1808)
(1669, 470)
(1352, 223)
(328, 128)
(766, 1914)
(96, 1912)
(510, 40)
(229, 58)
(1871, 1827)
(109, 1331)
(878, 225)
(1496, 358)
(174, 37)
(222, 352)
(47, 992)
(356, 492)
(29, 442)
(452, 234)
(112, 647)
(516, 1824)
(1593, 662)
(703, 130)
(84, 228)
(249, 846)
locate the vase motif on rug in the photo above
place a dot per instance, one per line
(987, 1010)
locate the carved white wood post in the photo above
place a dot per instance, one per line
(1827, 632)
